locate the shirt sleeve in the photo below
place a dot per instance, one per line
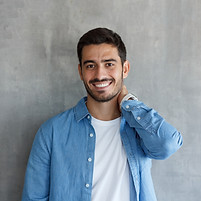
(159, 139)
(36, 186)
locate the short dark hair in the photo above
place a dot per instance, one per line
(101, 35)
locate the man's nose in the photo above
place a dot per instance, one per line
(100, 72)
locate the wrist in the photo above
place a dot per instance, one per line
(129, 96)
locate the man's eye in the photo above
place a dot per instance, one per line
(109, 64)
(90, 66)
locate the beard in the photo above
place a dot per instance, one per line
(101, 97)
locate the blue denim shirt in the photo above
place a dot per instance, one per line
(58, 168)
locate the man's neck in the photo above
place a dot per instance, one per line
(103, 110)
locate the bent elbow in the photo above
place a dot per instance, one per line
(170, 146)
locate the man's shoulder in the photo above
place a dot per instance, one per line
(57, 120)
(64, 117)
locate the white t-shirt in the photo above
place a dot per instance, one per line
(111, 171)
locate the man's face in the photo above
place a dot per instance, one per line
(102, 71)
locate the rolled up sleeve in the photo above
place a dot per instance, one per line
(159, 139)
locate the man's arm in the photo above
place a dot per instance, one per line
(159, 139)
(36, 186)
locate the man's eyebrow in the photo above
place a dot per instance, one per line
(108, 60)
(104, 60)
(88, 61)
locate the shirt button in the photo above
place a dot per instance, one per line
(127, 106)
(138, 118)
(88, 116)
(91, 134)
(89, 159)
(87, 185)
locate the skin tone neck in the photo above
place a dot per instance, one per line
(103, 111)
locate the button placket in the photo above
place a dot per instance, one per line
(89, 159)
(90, 155)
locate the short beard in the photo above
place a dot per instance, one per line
(103, 99)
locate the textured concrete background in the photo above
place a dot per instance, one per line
(38, 77)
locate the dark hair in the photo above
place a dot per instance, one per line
(98, 36)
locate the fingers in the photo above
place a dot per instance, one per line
(123, 93)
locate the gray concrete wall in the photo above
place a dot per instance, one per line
(38, 77)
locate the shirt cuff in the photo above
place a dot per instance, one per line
(127, 97)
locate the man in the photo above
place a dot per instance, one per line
(101, 149)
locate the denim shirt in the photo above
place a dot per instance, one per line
(58, 168)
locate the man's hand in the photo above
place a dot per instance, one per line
(123, 93)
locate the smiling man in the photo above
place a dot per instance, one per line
(102, 73)
(101, 149)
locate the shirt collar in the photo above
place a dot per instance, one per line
(81, 110)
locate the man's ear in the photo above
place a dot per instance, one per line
(126, 68)
(80, 71)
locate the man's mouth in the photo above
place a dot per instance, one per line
(102, 85)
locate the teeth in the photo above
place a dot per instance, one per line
(102, 85)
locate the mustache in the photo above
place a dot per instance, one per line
(102, 80)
